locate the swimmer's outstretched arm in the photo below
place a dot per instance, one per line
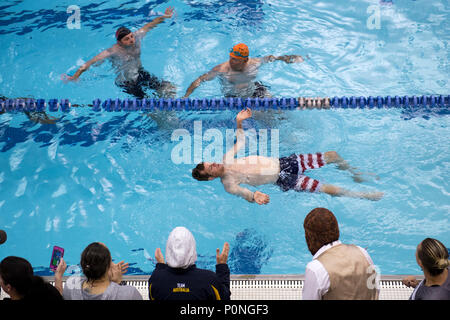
(286, 58)
(167, 14)
(338, 191)
(205, 77)
(101, 56)
(257, 196)
(240, 135)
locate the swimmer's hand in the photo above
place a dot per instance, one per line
(261, 198)
(244, 114)
(286, 58)
(66, 78)
(293, 59)
(168, 13)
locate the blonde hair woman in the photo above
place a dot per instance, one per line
(432, 257)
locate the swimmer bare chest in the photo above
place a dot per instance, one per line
(127, 55)
(240, 79)
(253, 170)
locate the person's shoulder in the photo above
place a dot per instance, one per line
(71, 292)
(130, 291)
(313, 264)
(160, 267)
(123, 292)
(222, 67)
(228, 180)
(113, 49)
(365, 253)
(205, 274)
(160, 273)
(255, 61)
(139, 34)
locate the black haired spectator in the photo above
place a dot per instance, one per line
(180, 279)
(3, 236)
(19, 282)
(102, 277)
(432, 257)
(338, 271)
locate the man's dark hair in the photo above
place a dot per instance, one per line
(95, 261)
(433, 255)
(3, 236)
(122, 32)
(198, 174)
(17, 272)
(321, 228)
(42, 290)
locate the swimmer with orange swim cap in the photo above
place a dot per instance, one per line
(125, 56)
(238, 74)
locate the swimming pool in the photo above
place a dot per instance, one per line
(109, 176)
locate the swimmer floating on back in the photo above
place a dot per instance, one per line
(286, 172)
(125, 56)
(237, 75)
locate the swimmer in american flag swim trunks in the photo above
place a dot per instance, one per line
(286, 172)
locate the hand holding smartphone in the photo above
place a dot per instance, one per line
(57, 254)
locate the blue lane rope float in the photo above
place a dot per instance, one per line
(301, 103)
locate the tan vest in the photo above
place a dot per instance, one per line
(349, 274)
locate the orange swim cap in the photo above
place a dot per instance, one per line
(239, 51)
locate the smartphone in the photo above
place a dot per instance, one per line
(57, 254)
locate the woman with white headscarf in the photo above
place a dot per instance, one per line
(179, 279)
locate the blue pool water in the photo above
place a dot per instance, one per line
(109, 177)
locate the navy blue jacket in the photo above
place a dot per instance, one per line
(168, 283)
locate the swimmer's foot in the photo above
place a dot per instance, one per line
(357, 176)
(374, 196)
(338, 191)
(363, 176)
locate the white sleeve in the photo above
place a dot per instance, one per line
(317, 281)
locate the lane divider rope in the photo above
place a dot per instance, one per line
(300, 103)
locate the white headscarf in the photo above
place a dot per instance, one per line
(181, 249)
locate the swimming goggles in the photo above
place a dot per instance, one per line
(237, 53)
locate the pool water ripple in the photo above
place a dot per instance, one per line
(109, 176)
